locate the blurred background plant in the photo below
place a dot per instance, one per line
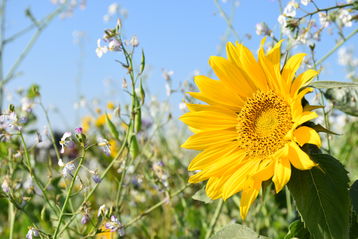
(119, 170)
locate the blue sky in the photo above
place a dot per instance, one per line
(175, 35)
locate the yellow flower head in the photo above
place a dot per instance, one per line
(250, 129)
(86, 123)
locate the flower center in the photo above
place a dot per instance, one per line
(263, 122)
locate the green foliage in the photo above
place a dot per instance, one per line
(332, 84)
(201, 196)
(297, 230)
(237, 231)
(321, 196)
(344, 99)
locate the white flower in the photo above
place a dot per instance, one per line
(102, 210)
(114, 45)
(305, 2)
(113, 9)
(167, 75)
(182, 106)
(134, 41)
(5, 185)
(345, 18)
(66, 168)
(65, 140)
(32, 232)
(101, 49)
(262, 29)
(290, 9)
(115, 225)
(323, 19)
(282, 20)
(104, 145)
(26, 104)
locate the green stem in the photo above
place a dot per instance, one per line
(11, 219)
(159, 204)
(51, 131)
(326, 10)
(33, 175)
(338, 45)
(227, 20)
(215, 218)
(69, 195)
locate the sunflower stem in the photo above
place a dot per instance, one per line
(215, 218)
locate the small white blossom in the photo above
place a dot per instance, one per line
(345, 18)
(134, 41)
(5, 185)
(104, 145)
(65, 141)
(114, 45)
(290, 9)
(26, 104)
(323, 19)
(182, 106)
(115, 226)
(66, 168)
(33, 232)
(262, 29)
(282, 20)
(100, 50)
(113, 9)
(305, 2)
(102, 210)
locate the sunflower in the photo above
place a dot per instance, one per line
(251, 129)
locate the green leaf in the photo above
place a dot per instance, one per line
(353, 193)
(201, 196)
(237, 231)
(297, 230)
(112, 127)
(321, 196)
(344, 99)
(332, 84)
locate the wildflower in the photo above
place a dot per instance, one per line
(282, 20)
(86, 123)
(262, 29)
(251, 130)
(6, 185)
(33, 232)
(305, 2)
(104, 145)
(27, 104)
(115, 225)
(65, 141)
(110, 105)
(290, 9)
(345, 18)
(85, 219)
(102, 210)
(66, 168)
(114, 45)
(95, 177)
(100, 50)
(113, 9)
(182, 106)
(101, 120)
(323, 19)
(134, 41)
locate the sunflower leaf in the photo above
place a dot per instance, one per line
(353, 193)
(297, 230)
(321, 196)
(201, 196)
(237, 231)
(332, 84)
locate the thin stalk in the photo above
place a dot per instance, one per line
(326, 9)
(215, 218)
(338, 45)
(51, 131)
(11, 219)
(69, 194)
(159, 204)
(89, 195)
(227, 20)
(33, 175)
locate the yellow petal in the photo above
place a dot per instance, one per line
(282, 173)
(238, 180)
(306, 135)
(206, 139)
(248, 196)
(206, 120)
(304, 117)
(218, 91)
(302, 80)
(231, 75)
(291, 67)
(245, 60)
(298, 158)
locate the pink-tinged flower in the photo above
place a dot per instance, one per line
(65, 141)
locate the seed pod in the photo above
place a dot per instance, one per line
(134, 148)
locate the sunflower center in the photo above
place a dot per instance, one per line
(262, 124)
